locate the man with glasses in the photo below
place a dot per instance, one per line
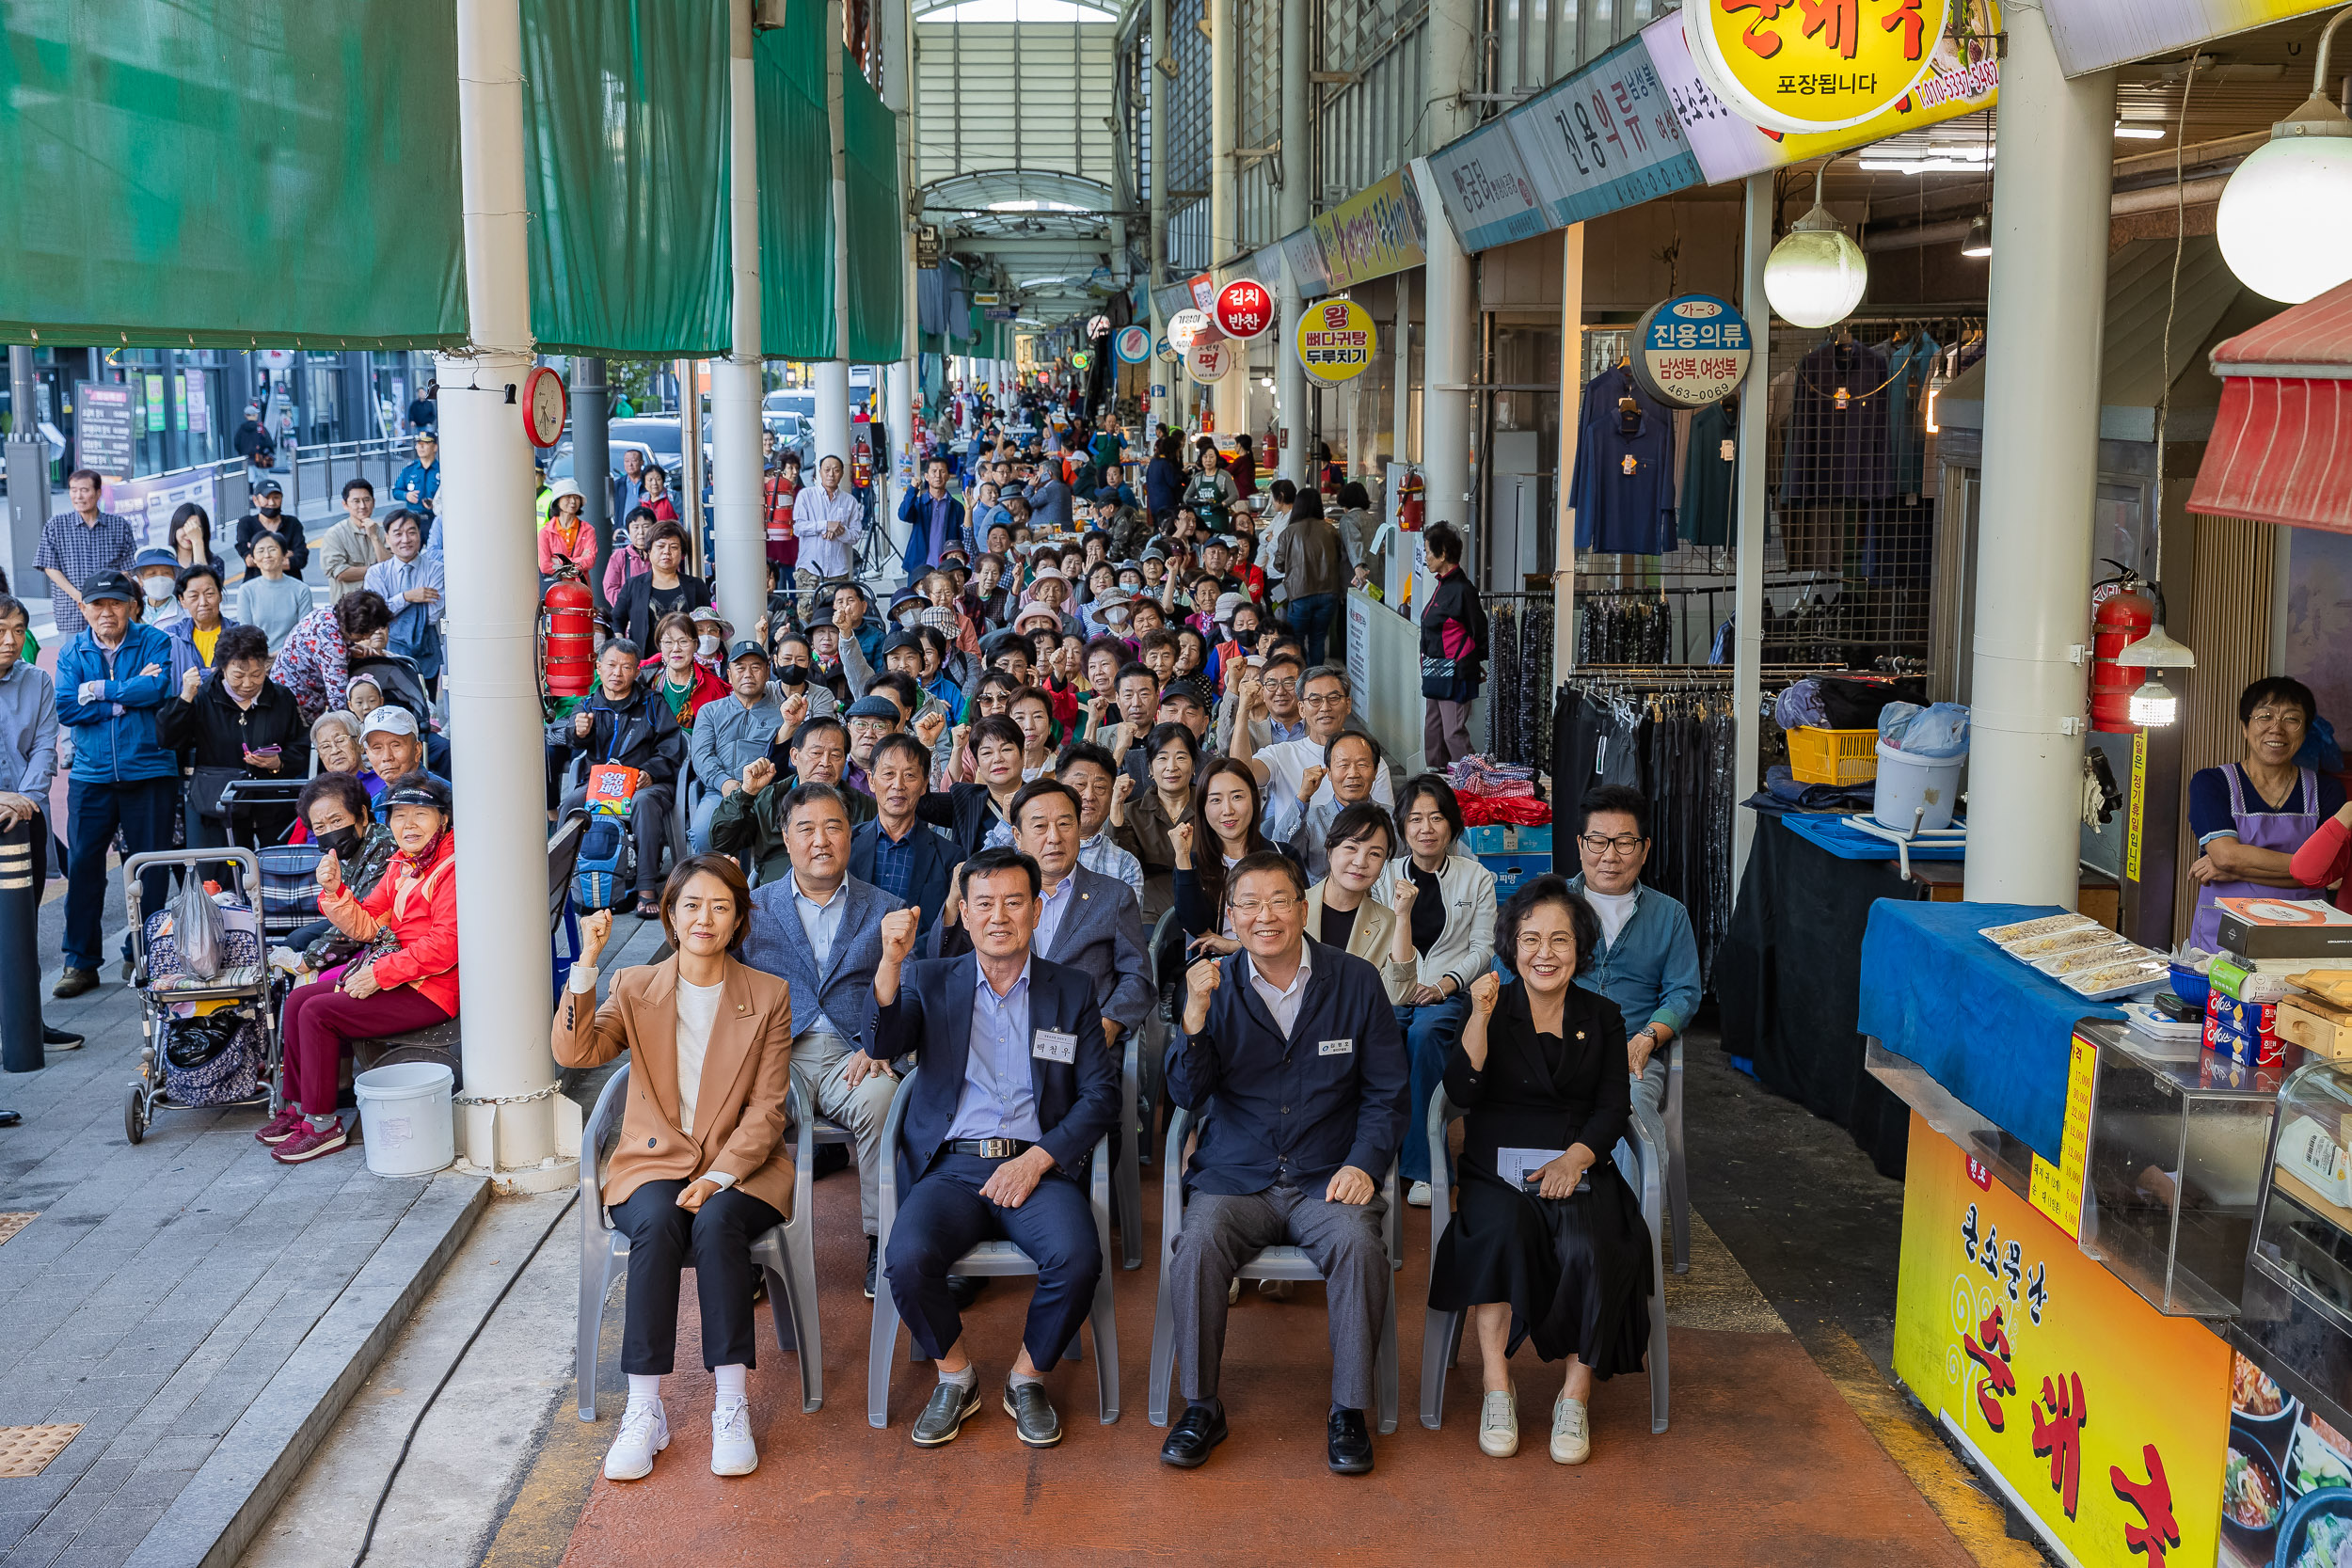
(1297, 1045)
(1282, 767)
(1281, 718)
(1648, 960)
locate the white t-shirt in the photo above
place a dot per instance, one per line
(1287, 762)
(1614, 909)
(697, 1010)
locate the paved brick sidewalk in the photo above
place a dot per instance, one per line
(159, 1291)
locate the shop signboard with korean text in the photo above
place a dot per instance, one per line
(1962, 76)
(1378, 230)
(1211, 360)
(103, 416)
(1604, 140)
(2100, 1417)
(1335, 341)
(1813, 65)
(147, 504)
(1185, 326)
(1483, 185)
(1690, 351)
(1243, 310)
(2092, 35)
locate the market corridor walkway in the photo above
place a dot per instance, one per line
(1764, 1462)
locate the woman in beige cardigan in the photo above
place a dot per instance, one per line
(702, 1167)
(1341, 911)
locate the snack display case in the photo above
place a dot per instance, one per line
(2295, 1318)
(2174, 1173)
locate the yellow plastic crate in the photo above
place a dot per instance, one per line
(1832, 757)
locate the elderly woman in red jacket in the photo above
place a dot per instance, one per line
(405, 978)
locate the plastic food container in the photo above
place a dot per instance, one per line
(2002, 935)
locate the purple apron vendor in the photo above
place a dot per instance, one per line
(2251, 817)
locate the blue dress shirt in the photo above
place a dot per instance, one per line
(998, 1099)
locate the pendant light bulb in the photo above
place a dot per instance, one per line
(2153, 706)
(1978, 244)
(2284, 222)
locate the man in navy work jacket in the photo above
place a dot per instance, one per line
(1291, 1052)
(1014, 1090)
(897, 852)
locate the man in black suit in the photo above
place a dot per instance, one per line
(897, 852)
(1016, 1088)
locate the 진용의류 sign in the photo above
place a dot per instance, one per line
(1690, 351)
(1335, 341)
(1814, 65)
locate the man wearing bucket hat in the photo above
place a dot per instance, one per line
(1647, 962)
(412, 986)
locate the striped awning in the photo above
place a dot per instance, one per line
(2282, 445)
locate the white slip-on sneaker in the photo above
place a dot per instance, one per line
(645, 1431)
(1498, 1423)
(1418, 1195)
(731, 1450)
(1571, 1434)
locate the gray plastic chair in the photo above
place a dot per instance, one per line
(1678, 1169)
(990, 1259)
(785, 1252)
(1637, 1160)
(1274, 1262)
(1127, 1189)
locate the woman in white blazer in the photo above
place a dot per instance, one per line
(1446, 902)
(1342, 910)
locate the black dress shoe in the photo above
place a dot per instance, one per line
(1200, 1429)
(59, 1040)
(873, 1255)
(964, 1289)
(1032, 1414)
(951, 1406)
(1350, 1444)
(9, 1119)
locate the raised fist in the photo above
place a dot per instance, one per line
(795, 709)
(1483, 990)
(582, 721)
(1124, 790)
(1310, 781)
(758, 775)
(1180, 840)
(1403, 892)
(190, 684)
(594, 932)
(898, 933)
(1200, 980)
(927, 727)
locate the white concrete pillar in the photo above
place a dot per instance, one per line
(739, 581)
(1297, 207)
(1747, 599)
(1445, 403)
(1163, 408)
(507, 1113)
(2047, 309)
(1571, 397)
(833, 375)
(1231, 396)
(900, 386)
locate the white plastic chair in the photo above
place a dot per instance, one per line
(990, 1259)
(1442, 1332)
(1274, 1262)
(785, 1252)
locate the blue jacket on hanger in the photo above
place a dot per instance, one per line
(1622, 490)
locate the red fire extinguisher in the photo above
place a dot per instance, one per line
(568, 615)
(1408, 507)
(2124, 612)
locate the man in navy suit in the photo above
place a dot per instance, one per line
(1085, 920)
(820, 929)
(934, 520)
(1292, 1056)
(897, 852)
(1016, 1089)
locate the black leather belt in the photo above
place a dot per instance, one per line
(990, 1148)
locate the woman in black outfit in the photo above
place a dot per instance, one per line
(1563, 1256)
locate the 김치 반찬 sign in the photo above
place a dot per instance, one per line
(1335, 341)
(1690, 351)
(1245, 309)
(1814, 65)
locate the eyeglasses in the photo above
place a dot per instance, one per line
(1281, 903)
(1324, 699)
(1562, 943)
(1286, 686)
(1623, 846)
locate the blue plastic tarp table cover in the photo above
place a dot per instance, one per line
(1995, 1033)
(1832, 832)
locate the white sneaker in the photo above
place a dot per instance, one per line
(1498, 1423)
(645, 1431)
(1418, 1195)
(1232, 1292)
(1571, 1434)
(731, 1450)
(1276, 1289)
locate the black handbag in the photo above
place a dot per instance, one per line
(207, 784)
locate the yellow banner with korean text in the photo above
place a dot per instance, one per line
(2106, 1419)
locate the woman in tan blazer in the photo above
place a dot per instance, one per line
(1341, 911)
(702, 1167)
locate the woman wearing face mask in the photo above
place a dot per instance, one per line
(794, 667)
(630, 560)
(336, 815)
(232, 723)
(407, 983)
(685, 684)
(1226, 806)
(1247, 620)
(1341, 909)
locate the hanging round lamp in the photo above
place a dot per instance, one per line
(2286, 219)
(1818, 274)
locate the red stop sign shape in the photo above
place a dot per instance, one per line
(1245, 308)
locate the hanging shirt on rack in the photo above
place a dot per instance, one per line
(1909, 364)
(1623, 491)
(1707, 478)
(1837, 441)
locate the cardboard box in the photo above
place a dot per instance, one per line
(1504, 838)
(1512, 871)
(2318, 1031)
(2245, 1032)
(2285, 928)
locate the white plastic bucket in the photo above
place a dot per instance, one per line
(1907, 782)
(407, 1122)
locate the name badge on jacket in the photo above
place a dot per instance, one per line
(1047, 1046)
(1335, 1047)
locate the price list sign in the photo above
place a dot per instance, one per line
(1605, 138)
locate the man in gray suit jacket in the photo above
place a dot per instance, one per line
(1086, 920)
(820, 929)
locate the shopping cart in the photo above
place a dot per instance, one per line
(242, 991)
